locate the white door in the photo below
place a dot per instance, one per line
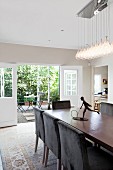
(71, 84)
(8, 95)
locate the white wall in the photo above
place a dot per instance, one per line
(40, 55)
(87, 73)
(108, 60)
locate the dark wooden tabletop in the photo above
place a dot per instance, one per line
(98, 128)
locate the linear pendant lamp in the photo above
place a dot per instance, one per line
(96, 10)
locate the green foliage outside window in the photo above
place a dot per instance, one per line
(5, 82)
(8, 82)
(32, 78)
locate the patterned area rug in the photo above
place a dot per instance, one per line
(17, 145)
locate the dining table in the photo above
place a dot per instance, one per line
(97, 127)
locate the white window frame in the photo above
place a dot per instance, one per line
(2, 83)
(66, 74)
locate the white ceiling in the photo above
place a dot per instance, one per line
(39, 22)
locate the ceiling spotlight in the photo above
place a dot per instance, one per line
(99, 1)
(96, 12)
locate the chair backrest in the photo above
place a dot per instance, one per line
(52, 138)
(106, 108)
(61, 104)
(39, 123)
(35, 100)
(73, 148)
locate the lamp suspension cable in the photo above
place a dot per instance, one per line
(78, 32)
(100, 37)
(109, 23)
(92, 31)
(96, 30)
(79, 44)
(106, 24)
(81, 33)
(98, 24)
(101, 27)
(84, 33)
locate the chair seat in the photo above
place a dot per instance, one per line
(64, 104)
(99, 159)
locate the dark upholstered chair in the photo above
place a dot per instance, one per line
(61, 104)
(35, 101)
(39, 126)
(76, 156)
(106, 108)
(52, 138)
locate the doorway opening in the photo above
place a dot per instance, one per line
(37, 85)
(100, 86)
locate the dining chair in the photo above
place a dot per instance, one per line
(76, 156)
(106, 108)
(52, 138)
(35, 101)
(64, 104)
(39, 128)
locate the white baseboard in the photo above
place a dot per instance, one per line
(8, 123)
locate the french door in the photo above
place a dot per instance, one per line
(8, 95)
(71, 84)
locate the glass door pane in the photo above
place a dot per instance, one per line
(70, 82)
(54, 83)
(7, 82)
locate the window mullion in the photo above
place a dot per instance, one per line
(71, 83)
(2, 82)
